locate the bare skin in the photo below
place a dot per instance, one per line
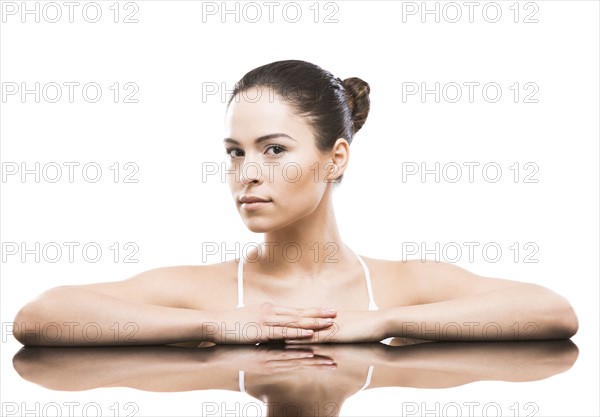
(287, 300)
(310, 377)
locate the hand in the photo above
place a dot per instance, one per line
(374, 353)
(349, 327)
(269, 360)
(263, 323)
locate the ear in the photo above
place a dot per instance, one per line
(340, 156)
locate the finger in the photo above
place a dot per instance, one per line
(312, 339)
(289, 333)
(307, 362)
(303, 364)
(295, 352)
(318, 358)
(288, 348)
(291, 355)
(305, 312)
(301, 322)
(299, 341)
(319, 349)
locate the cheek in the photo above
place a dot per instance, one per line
(303, 184)
(233, 183)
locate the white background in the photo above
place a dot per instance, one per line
(170, 54)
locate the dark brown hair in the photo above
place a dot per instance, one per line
(334, 108)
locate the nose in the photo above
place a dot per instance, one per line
(250, 172)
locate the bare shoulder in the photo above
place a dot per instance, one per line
(427, 281)
(183, 286)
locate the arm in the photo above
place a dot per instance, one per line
(149, 368)
(456, 305)
(152, 309)
(157, 368)
(506, 361)
(133, 311)
(447, 303)
(76, 316)
(450, 364)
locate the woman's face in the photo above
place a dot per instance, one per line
(272, 155)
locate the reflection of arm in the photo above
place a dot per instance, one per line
(141, 310)
(441, 365)
(166, 368)
(159, 368)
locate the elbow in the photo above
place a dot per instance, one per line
(26, 326)
(555, 314)
(30, 320)
(565, 323)
(570, 324)
(22, 322)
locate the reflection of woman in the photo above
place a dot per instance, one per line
(298, 376)
(289, 125)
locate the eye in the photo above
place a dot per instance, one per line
(276, 147)
(229, 151)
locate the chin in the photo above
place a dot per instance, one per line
(264, 224)
(268, 223)
(258, 226)
(254, 229)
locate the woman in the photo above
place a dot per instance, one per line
(289, 126)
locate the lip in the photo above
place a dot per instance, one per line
(254, 206)
(253, 199)
(253, 202)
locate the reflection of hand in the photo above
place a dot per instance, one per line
(359, 353)
(349, 327)
(270, 360)
(264, 322)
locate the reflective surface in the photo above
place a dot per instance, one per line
(314, 380)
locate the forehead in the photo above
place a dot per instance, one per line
(259, 111)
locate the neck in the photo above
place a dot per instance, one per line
(307, 247)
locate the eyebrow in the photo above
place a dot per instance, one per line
(262, 138)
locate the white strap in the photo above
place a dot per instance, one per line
(372, 305)
(241, 378)
(240, 282)
(369, 375)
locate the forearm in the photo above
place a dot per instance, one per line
(72, 316)
(521, 360)
(151, 368)
(443, 365)
(519, 312)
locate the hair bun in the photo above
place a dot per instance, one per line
(357, 94)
